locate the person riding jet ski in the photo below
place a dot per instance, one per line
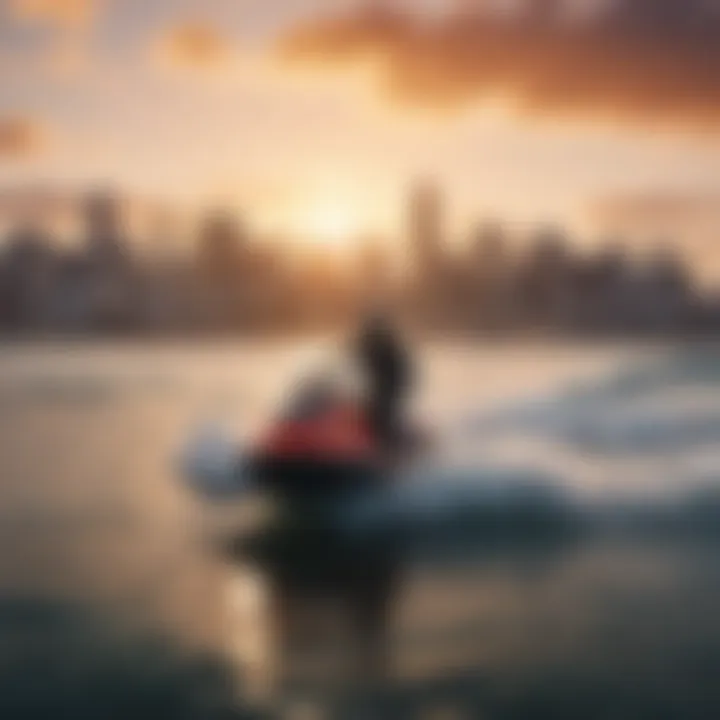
(342, 432)
(341, 429)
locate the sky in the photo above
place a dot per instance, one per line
(314, 116)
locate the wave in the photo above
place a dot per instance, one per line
(519, 504)
(645, 408)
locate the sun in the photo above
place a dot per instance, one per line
(333, 224)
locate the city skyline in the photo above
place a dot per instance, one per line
(635, 224)
(231, 281)
(200, 103)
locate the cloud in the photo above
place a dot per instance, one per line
(20, 138)
(194, 46)
(71, 22)
(60, 13)
(635, 61)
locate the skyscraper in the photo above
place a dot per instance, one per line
(220, 246)
(111, 294)
(490, 296)
(425, 220)
(223, 275)
(104, 235)
(432, 282)
(29, 263)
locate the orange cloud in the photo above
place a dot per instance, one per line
(194, 45)
(20, 138)
(629, 60)
(55, 12)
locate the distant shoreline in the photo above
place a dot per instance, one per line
(428, 339)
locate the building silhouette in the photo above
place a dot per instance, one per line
(545, 280)
(430, 267)
(109, 281)
(27, 276)
(104, 236)
(221, 250)
(490, 297)
(426, 228)
(667, 292)
(235, 282)
(220, 245)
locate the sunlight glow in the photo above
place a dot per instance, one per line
(333, 224)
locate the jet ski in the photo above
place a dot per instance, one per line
(367, 492)
(327, 478)
(318, 450)
(318, 462)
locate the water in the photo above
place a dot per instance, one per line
(92, 517)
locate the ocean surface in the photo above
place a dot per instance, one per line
(94, 522)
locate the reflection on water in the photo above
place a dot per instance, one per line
(249, 630)
(91, 517)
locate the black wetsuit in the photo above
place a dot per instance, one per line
(387, 367)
